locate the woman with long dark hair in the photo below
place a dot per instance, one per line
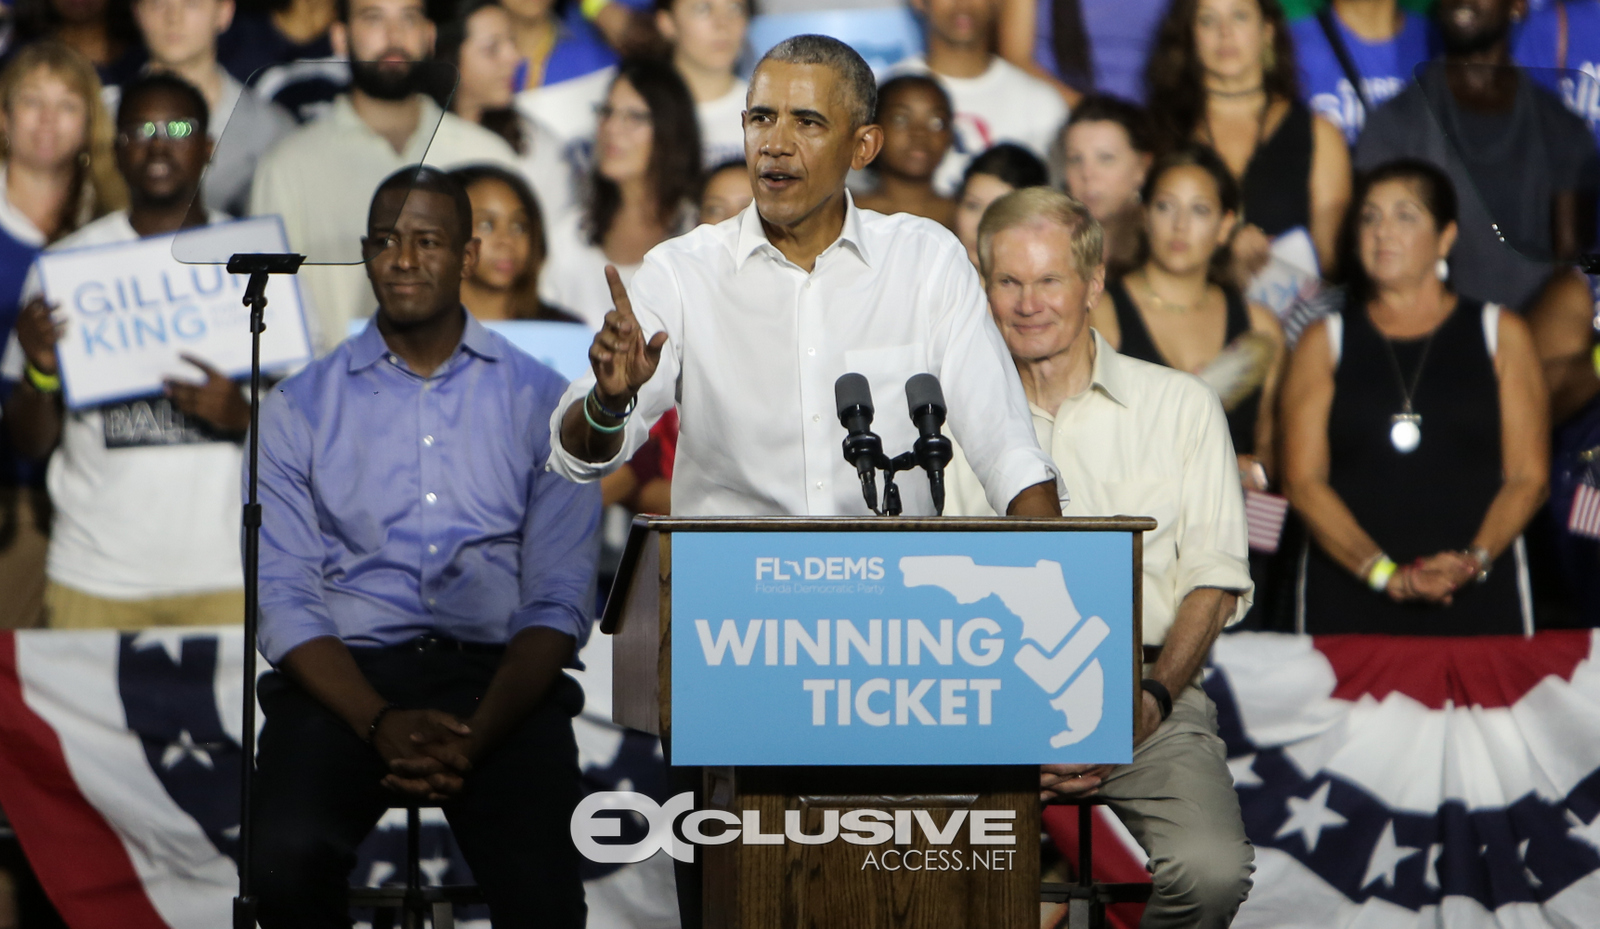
(642, 190)
(478, 41)
(1223, 73)
(504, 284)
(1416, 433)
(1178, 308)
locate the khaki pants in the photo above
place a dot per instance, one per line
(70, 608)
(1177, 800)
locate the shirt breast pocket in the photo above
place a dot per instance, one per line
(887, 370)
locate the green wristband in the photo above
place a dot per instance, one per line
(607, 430)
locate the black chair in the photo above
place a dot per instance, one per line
(1086, 898)
(413, 902)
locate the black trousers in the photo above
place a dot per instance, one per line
(317, 795)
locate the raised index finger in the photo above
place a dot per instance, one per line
(619, 295)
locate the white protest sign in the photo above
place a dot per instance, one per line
(131, 310)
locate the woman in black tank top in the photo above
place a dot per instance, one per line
(1415, 435)
(1223, 73)
(1170, 311)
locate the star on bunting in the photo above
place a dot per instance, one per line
(1386, 856)
(1309, 817)
(185, 747)
(1243, 770)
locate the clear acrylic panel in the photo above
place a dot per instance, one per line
(315, 196)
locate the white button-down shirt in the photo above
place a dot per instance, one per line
(1145, 440)
(754, 347)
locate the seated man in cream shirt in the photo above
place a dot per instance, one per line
(1142, 440)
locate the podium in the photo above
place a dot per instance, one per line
(869, 699)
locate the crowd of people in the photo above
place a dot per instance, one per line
(1353, 223)
(1222, 145)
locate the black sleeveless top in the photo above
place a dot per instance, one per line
(1418, 504)
(1277, 182)
(1137, 343)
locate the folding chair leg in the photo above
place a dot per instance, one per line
(444, 915)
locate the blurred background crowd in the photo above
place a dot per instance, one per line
(1323, 211)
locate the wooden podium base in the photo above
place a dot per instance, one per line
(840, 885)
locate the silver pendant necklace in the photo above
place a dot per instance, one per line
(1405, 427)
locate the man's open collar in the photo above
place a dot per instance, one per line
(753, 237)
(1109, 375)
(368, 348)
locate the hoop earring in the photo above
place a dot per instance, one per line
(83, 159)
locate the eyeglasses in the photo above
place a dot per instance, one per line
(633, 119)
(175, 130)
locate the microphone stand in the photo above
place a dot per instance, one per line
(260, 267)
(904, 461)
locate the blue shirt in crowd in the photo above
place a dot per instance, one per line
(1537, 46)
(20, 244)
(395, 505)
(1120, 32)
(1385, 68)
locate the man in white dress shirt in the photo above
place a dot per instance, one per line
(1136, 438)
(747, 324)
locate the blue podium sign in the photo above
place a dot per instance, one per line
(902, 648)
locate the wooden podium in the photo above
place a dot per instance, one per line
(768, 886)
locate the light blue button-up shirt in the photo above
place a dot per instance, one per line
(395, 505)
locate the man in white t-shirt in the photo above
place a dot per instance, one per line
(146, 491)
(995, 101)
(320, 180)
(707, 37)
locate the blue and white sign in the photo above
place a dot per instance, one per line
(874, 648)
(132, 309)
(883, 36)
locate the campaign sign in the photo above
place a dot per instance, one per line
(131, 310)
(888, 648)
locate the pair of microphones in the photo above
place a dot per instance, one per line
(863, 449)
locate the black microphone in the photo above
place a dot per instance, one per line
(853, 397)
(925, 399)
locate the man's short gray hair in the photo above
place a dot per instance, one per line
(855, 75)
(1043, 204)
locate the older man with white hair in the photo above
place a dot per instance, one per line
(1140, 439)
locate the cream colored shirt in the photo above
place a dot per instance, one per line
(1145, 440)
(321, 179)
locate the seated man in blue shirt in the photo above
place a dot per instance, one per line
(424, 580)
